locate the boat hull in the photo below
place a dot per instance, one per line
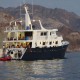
(45, 53)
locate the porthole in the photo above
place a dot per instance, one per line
(11, 52)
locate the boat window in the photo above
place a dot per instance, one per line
(33, 26)
(50, 43)
(43, 43)
(40, 42)
(56, 42)
(45, 33)
(41, 33)
(28, 35)
(50, 33)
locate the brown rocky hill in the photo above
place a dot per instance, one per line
(68, 23)
(57, 17)
(4, 21)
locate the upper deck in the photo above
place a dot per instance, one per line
(21, 28)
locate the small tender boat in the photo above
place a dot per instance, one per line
(6, 58)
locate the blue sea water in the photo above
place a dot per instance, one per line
(57, 69)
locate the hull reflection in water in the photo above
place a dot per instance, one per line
(33, 70)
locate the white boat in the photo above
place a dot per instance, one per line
(27, 43)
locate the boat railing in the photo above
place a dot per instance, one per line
(42, 37)
(49, 37)
(9, 28)
(15, 39)
(10, 39)
(22, 49)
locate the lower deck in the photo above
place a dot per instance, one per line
(44, 53)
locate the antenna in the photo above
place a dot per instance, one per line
(32, 6)
(32, 10)
(20, 9)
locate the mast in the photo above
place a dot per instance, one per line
(28, 24)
